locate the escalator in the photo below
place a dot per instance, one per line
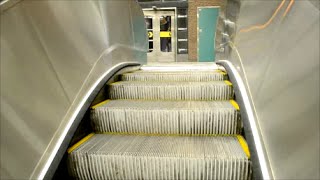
(165, 123)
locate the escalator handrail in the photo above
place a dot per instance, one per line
(261, 166)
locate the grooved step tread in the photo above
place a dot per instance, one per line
(169, 105)
(167, 117)
(160, 157)
(165, 121)
(212, 90)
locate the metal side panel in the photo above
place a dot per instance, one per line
(282, 66)
(261, 167)
(53, 55)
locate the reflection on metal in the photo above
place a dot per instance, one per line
(52, 57)
(164, 44)
(7, 4)
(261, 167)
(281, 63)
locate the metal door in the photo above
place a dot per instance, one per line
(162, 35)
(207, 23)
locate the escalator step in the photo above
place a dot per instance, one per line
(175, 76)
(212, 90)
(160, 157)
(166, 117)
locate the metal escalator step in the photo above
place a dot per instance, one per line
(212, 90)
(160, 157)
(166, 117)
(175, 76)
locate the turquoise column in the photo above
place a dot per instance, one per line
(207, 22)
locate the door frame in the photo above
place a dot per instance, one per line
(175, 39)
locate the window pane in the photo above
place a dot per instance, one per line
(149, 26)
(165, 33)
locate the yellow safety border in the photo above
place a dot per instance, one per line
(228, 83)
(117, 82)
(83, 140)
(244, 145)
(235, 104)
(222, 72)
(100, 104)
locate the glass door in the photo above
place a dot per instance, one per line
(162, 35)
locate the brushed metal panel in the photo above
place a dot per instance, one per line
(53, 55)
(260, 163)
(282, 68)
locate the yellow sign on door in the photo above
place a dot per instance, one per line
(165, 34)
(150, 34)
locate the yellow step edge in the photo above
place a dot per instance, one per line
(100, 104)
(221, 72)
(117, 82)
(235, 104)
(228, 83)
(157, 134)
(244, 145)
(83, 140)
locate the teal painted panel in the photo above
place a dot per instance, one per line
(140, 39)
(207, 22)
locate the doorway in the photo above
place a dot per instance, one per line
(161, 28)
